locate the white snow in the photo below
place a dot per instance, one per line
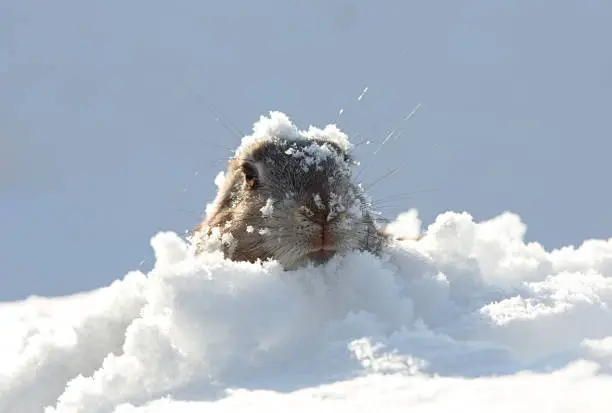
(220, 179)
(278, 126)
(268, 209)
(318, 201)
(362, 94)
(470, 318)
(407, 224)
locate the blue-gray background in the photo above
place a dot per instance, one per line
(107, 115)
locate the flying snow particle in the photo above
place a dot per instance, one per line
(363, 93)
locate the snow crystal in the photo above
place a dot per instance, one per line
(227, 238)
(330, 133)
(219, 179)
(312, 155)
(339, 204)
(317, 200)
(279, 126)
(406, 225)
(362, 94)
(210, 207)
(268, 209)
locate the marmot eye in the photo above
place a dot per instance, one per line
(250, 175)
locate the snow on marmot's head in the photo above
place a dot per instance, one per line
(288, 195)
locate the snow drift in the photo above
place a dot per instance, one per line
(470, 316)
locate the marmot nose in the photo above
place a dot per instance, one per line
(322, 240)
(320, 216)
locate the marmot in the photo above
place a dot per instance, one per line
(291, 200)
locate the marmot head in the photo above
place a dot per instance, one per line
(291, 200)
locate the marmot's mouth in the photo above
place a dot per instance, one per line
(321, 256)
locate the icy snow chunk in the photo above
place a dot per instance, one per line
(227, 238)
(219, 179)
(317, 200)
(312, 155)
(278, 126)
(268, 209)
(407, 224)
(330, 133)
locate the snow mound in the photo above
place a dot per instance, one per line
(469, 316)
